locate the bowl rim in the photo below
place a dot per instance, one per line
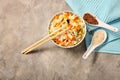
(79, 17)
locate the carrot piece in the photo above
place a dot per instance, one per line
(56, 41)
(73, 38)
(77, 27)
(56, 17)
(67, 14)
(62, 43)
(75, 19)
(70, 26)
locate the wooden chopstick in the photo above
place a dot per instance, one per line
(45, 39)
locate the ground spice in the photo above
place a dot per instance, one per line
(98, 37)
(90, 19)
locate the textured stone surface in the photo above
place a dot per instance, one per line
(23, 22)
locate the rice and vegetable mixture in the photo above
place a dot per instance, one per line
(76, 30)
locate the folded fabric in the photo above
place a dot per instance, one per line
(108, 12)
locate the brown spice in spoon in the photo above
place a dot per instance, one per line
(90, 19)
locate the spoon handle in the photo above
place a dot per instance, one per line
(88, 52)
(109, 27)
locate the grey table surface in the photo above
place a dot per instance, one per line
(23, 22)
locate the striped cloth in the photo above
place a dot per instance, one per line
(107, 11)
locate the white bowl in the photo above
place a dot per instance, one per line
(83, 28)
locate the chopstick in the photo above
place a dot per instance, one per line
(45, 39)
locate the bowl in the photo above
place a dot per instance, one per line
(72, 37)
